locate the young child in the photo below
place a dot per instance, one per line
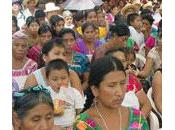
(135, 24)
(68, 101)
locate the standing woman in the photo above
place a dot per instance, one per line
(32, 30)
(88, 44)
(33, 109)
(103, 110)
(21, 65)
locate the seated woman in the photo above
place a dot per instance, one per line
(135, 96)
(45, 35)
(105, 95)
(21, 65)
(88, 43)
(33, 109)
(53, 49)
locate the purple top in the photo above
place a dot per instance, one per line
(83, 48)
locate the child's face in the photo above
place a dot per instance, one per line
(89, 33)
(59, 26)
(146, 24)
(92, 18)
(57, 79)
(33, 27)
(137, 23)
(101, 19)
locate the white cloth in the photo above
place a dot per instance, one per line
(73, 100)
(138, 37)
(21, 19)
(71, 26)
(131, 100)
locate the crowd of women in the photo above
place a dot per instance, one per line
(90, 69)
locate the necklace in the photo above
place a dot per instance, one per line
(103, 120)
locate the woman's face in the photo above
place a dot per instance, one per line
(19, 49)
(31, 4)
(44, 37)
(89, 34)
(146, 24)
(137, 23)
(101, 19)
(15, 7)
(58, 79)
(69, 40)
(68, 20)
(41, 117)
(33, 27)
(111, 90)
(115, 10)
(59, 26)
(92, 17)
(55, 53)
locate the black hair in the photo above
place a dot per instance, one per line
(130, 51)
(40, 13)
(79, 16)
(65, 31)
(57, 64)
(145, 12)
(119, 19)
(53, 21)
(85, 25)
(14, 19)
(115, 49)
(149, 18)
(87, 13)
(47, 48)
(160, 29)
(131, 18)
(22, 104)
(30, 20)
(120, 29)
(44, 28)
(99, 68)
(98, 9)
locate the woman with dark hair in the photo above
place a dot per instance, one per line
(33, 109)
(57, 24)
(45, 35)
(53, 49)
(105, 94)
(32, 30)
(88, 43)
(15, 27)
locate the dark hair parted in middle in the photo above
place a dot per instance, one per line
(99, 68)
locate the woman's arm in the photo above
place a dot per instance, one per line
(147, 69)
(157, 90)
(145, 105)
(75, 81)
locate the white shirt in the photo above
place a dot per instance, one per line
(131, 100)
(138, 37)
(73, 100)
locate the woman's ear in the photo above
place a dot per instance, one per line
(44, 58)
(16, 121)
(95, 91)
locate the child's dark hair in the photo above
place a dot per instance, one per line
(131, 18)
(65, 31)
(57, 64)
(44, 28)
(120, 29)
(79, 16)
(99, 68)
(114, 50)
(98, 9)
(39, 14)
(27, 99)
(87, 13)
(48, 46)
(149, 18)
(30, 20)
(85, 25)
(53, 22)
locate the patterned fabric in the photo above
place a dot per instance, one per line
(80, 63)
(34, 52)
(83, 48)
(27, 69)
(136, 122)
